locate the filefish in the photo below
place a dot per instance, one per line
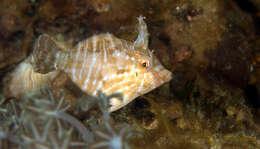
(105, 63)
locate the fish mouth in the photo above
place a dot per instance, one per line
(158, 79)
(165, 76)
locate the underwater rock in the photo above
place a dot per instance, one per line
(174, 111)
(100, 6)
(231, 60)
(8, 24)
(256, 3)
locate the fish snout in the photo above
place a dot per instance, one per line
(156, 78)
(166, 75)
(162, 76)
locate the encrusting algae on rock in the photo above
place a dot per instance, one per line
(103, 63)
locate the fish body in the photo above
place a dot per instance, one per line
(105, 63)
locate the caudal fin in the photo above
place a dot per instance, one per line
(44, 54)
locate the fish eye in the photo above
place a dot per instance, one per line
(145, 64)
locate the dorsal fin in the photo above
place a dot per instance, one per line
(142, 39)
